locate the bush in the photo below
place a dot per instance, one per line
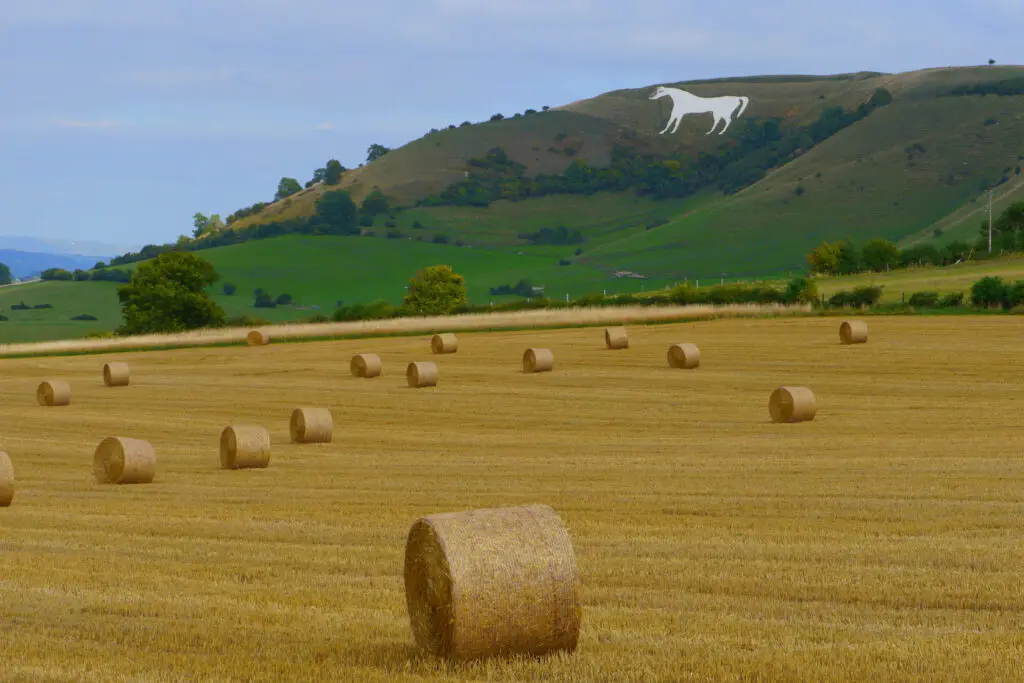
(56, 274)
(988, 292)
(284, 299)
(564, 262)
(264, 300)
(318, 318)
(952, 300)
(924, 299)
(229, 288)
(38, 306)
(860, 296)
(440, 239)
(84, 316)
(246, 321)
(377, 310)
(3, 318)
(20, 307)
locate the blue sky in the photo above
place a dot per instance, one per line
(121, 118)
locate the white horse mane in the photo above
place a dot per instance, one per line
(683, 103)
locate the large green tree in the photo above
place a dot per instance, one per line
(435, 290)
(5, 274)
(880, 254)
(168, 294)
(332, 172)
(375, 151)
(336, 214)
(287, 187)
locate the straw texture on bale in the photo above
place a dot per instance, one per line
(116, 374)
(54, 392)
(311, 425)
(792, 404)
(120, 460)
(853, 332)
(6, 480)
(244, 447)
(258, 338)
(616, 338)
(684, 356)
(538, 360)
(365, 365)
(492, 582)
(421, 375)
(444, 343)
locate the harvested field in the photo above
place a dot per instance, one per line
(882, 541)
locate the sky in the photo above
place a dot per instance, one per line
(119, 119)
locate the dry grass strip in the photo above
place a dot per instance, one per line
(492, 582)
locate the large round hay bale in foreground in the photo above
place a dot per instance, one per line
(6, 480)
(444, 343)
(421, 375)
(492, 582)
(120, 460)
(538, 360)
(116, 374)
(244, 447)
(683, 356)
(257, 338)
(616, 338)
(792, 404)
(853, 332)
(365, 365)
(311, 425)
(53, 392)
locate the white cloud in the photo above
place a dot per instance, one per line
(325, 125)
(73, 123)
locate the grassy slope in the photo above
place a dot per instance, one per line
(883, 537)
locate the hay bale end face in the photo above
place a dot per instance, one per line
(492, 582)
(53, 392)
(116, 374)
(257, 338)
(684, 356)
(853, 332)
(616, 338)
(311, 425)
(792, 404)
(244, 447)
(538, 360)
(365, 365)
(6, 480)
(444, 343)
(421, 375)
(120, 460)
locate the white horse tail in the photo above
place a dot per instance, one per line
(744, 101)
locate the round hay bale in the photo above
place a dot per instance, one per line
(683, 356)
(257, 338)
(365, 365)
(116, 374)
(792, 404)
(54, 392)
(853, 332)
(244, 447)
(538, 360)
(616, 338)
(311, 425)
(120, 460)
(492, 582)
(421, 375)
(6, 480)
(444, 343)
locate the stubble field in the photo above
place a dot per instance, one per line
(882, 541)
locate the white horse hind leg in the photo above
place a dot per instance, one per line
(679, 119)
(715, 125)
(668, 125)
(727, 122)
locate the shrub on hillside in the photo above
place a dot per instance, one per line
(38, 306)
(56, 274)
(3, 318)
(264, 300)
(989, 292)
(246, 321)
(20, 307)
(84, 316)
(924, 299)
(952, 300)
(284, 299)
(229, 288)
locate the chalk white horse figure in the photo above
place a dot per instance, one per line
(683, 103)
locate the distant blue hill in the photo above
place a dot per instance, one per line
(25, 264)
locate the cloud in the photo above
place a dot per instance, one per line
(324, 125)
(72, 123)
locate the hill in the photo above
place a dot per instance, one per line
(25, 264)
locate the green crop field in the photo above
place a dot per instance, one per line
(881, 541)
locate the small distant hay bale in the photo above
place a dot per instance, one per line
(538, 360)
(365, 365)
(492, 582)
(6, 480)
(444, 343)
(244, 447)
(792, 404)
(683, 356)
(421, 375)
(53, 392)
(853, 332)
(116, 374)
(258, 338)
(120, 460)
(311, 425)
(616, 338)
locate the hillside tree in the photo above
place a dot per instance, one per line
(880, 254)
(286, 188)
(199, 224)
(336, 214)
(824, 258)
(332, 172)
(375, 151)
(168, 294)
(5, 274)
(435, 290)
(375, 203)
